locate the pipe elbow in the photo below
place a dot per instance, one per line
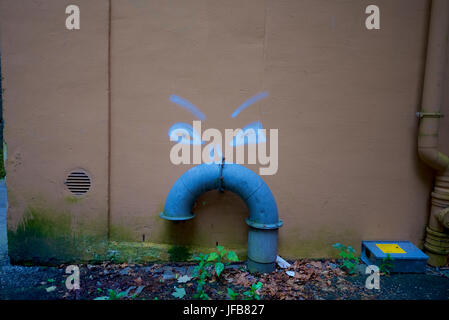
(263, 212)
(178, 203)
(182, 195)
(433, 158)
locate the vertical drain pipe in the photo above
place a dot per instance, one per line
(109, 121)
(436, 242)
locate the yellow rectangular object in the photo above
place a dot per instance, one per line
(390, 248)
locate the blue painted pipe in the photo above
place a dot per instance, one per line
(263, 213)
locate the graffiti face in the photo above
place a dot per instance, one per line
(251, 135)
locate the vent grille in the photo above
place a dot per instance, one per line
(78, 182)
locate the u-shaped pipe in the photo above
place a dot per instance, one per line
(263, 217)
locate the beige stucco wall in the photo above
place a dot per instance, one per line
(55, 107)
(343, 98)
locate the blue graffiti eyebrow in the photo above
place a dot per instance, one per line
(187, 105)
(250, 101)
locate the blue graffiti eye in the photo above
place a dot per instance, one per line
(184, 133)
(250, 134)
(249, 102)
(186, 104)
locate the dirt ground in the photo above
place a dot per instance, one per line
(308, 280)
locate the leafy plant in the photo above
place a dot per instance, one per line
(202, 295)
(201, 272)
(222, 257)
(112, 295)
(387, 264)
(232, 295)
(115, 296)
(350, 261)
(218, 259)
(253, 292)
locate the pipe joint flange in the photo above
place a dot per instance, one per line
(443, 217)
(442, 182)
(176, 218)
(440, 203)
(436, 233)
(442, 191)
(264, 226)
(435, 249)
(440, 196)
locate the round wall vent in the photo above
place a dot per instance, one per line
(78, 182)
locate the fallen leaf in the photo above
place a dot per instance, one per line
(184, 279)
(302, 276)
(50, 289)
(179, 293)
(138, 291)
(290, 273)
(242, 280)
(138, 280)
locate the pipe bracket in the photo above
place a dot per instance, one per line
(264, 226)
(421, 115)
(220, 178)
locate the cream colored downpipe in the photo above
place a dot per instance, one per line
(436, 243)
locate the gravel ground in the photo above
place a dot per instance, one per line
(427, 286)
(319, 281)
(27, 283)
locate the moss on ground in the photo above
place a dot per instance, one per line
(46, 236)
(179, 253)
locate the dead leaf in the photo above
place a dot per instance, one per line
(138, 280)
(184, 279)
(241, 279)
(302, 276)
(51, 289)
